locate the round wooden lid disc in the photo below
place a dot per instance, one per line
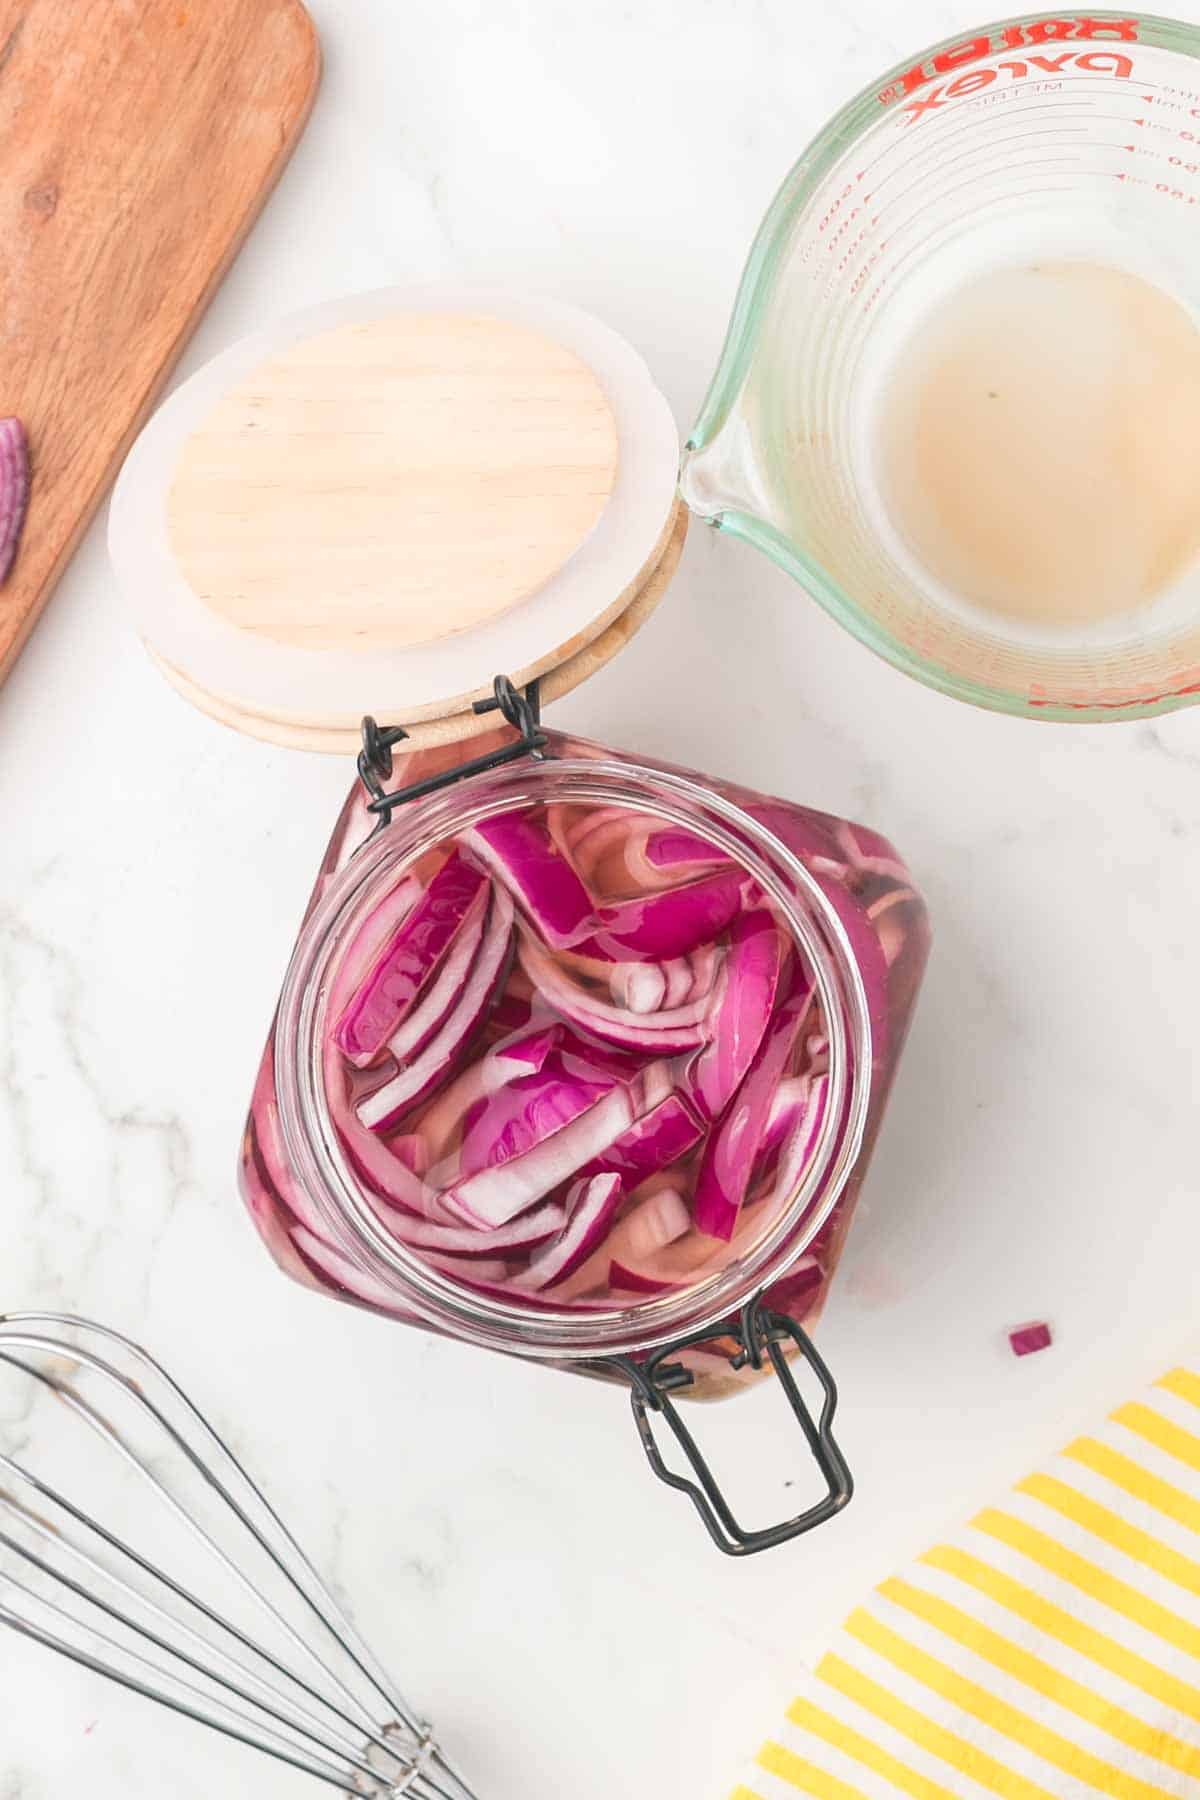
(462, 724)
(396, 479)
(380, 503)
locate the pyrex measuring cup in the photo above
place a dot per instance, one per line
(1046, 137)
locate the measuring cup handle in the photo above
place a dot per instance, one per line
(758, 1332)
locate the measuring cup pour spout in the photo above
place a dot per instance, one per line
(716, 478)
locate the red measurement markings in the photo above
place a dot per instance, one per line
(1162, 188)
(1168, 128)
(852, 249)
(864, 274)
(1181, 163)
(832, 211)
(1049, 171)
(1174, 100)
(836, 236)
(965, 121)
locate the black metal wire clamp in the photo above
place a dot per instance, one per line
(521, 710)
(757, 1331)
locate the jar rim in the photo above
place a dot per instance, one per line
(548, 1333)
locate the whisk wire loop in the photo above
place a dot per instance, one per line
(217, 1613)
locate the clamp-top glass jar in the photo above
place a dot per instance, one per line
(581, 1057)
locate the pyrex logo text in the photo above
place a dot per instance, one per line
(1015, 37)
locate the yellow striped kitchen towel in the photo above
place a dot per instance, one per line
(1048, 1651)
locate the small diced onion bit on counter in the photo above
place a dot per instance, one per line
(1025, 1339)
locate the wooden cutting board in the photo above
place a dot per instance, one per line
(138, 142)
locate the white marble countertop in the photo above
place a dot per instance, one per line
(505, 1547)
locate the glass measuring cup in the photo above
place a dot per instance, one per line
(1048, 137)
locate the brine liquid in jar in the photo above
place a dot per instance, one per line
(575, 1058)
(1038, 443)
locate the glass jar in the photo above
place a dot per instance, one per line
(852, 917)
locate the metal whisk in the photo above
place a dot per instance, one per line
(208, 1605)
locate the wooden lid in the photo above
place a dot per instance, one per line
(456, 726)
(399, 479)
(380, 504)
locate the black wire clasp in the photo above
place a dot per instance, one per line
(757, 1331)
(522, 711)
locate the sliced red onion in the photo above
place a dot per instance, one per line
(339, 1269)
(870, 854)
(522, 855)
(495, 1196)
(659, 1034)
(790, 1100)
(798, 1148)
(384, 919)
(801, 832)
(649, 988)
(648, 1226)
(694, 1256)
(470, 1270)
(584, 1054)
(674, 847)
(661, 1136)
(412, 1150)
(526, 1233)
(591, 1207)
(560, 819)
(512, 1012)
(584, 824)
(513, 1119)
(409, 960)
(433, 1007)
(656, 858)
(520, 1105)
(631, 1282)
(679, 977)
(14, 490)
(386, 1170)
(688, 1259)
(624, 1111)
(262, 1196)
(268, 1136)
(705, 965)
(651, 856)
(732, 1148)
(889, 923)
(389, 1166)
(519, 1055)
(410, 1085)
(750, 980)
(652, 1224)
(671, 923)
(641, 987)
(1027, 1339)
(601, 846)
(884, 904)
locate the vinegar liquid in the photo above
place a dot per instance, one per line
(1039, 438)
